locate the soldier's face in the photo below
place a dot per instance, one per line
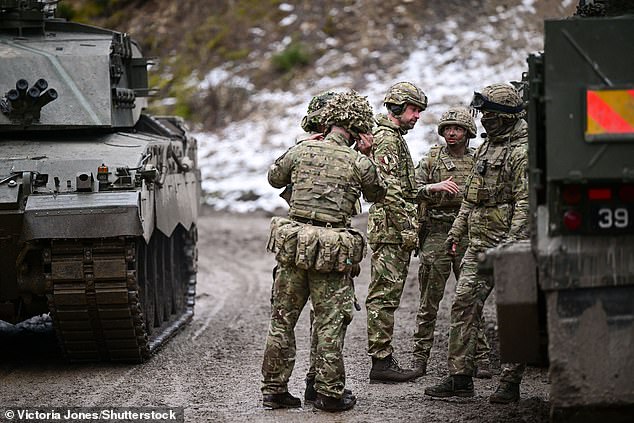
(410, 116)
(495, 124)
(453, 134)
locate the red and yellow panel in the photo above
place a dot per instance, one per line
(610, 114)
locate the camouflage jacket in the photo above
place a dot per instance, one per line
(498, 185)
(328, 178)
(397, 211)
(437, 165)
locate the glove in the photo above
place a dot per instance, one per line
(450, 246)
(409, 239)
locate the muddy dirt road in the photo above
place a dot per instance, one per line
(212, 368)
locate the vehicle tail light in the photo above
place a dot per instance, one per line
(571, 194)
(102, 173)
(626, 193)
(572, 220)
(595, 194)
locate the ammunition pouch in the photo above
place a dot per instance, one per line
(310, 247)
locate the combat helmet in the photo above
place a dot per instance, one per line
(501, 99)
(349, 110)
(403, 93)
(458, 116)
(312, 120)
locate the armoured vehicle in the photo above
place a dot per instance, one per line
(98, 200)
(567, 294)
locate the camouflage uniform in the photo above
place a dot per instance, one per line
(328, 177)
(438, 211)
(495, 209)
(391, 224)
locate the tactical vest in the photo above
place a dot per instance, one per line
(406, 169)
(323, 183)
(490, 183)
(442, 166)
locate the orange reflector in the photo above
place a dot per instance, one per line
(599, 194)
(609, 112)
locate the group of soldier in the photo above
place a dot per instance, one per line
(458, 202)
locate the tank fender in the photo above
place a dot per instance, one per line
(177, 201)
(82, 215)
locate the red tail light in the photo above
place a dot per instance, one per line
(595, 194)
(571, 194)
(572, 220)
(626, 193)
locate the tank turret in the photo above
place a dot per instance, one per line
(98, 77)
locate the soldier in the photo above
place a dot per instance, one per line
(440, 176)
(495, 210)
(316, 249)
(314, 129)
(392, 227)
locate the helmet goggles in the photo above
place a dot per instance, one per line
(481, 103)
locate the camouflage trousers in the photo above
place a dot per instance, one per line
(434, 270)
(389, 266)
(332, 298)
(466, 319)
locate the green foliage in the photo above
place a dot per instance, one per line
(293, 56)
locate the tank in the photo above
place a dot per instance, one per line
(566, 296)
(98, 200)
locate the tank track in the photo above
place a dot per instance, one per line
(119, 299)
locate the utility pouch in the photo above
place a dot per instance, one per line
(283, 239)
(327, 259)
(307, 245)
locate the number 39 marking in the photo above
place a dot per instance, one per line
(609, 218)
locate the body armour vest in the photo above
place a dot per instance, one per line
(442, 166)
(323, 182)
(491, 181)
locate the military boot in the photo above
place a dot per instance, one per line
(310, 394)
(506, 393)
(483, 370)
(387, 370)
(419, 366)
(326, 403)
(452, 386)
(285, 400)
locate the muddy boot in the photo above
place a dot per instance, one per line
(310, 394)
(419, 366)
(483, 370)
(452, 386)
(285, 400)
(327, 403)
(387, 370)
(506, 393)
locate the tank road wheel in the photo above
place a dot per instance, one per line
(173, 281)
(119, 299)
(93, 297)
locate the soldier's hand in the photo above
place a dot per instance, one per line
(447, 186)
(316, 136)
(355, 270)
(450, 246)
(364, 144)
(409, 239)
